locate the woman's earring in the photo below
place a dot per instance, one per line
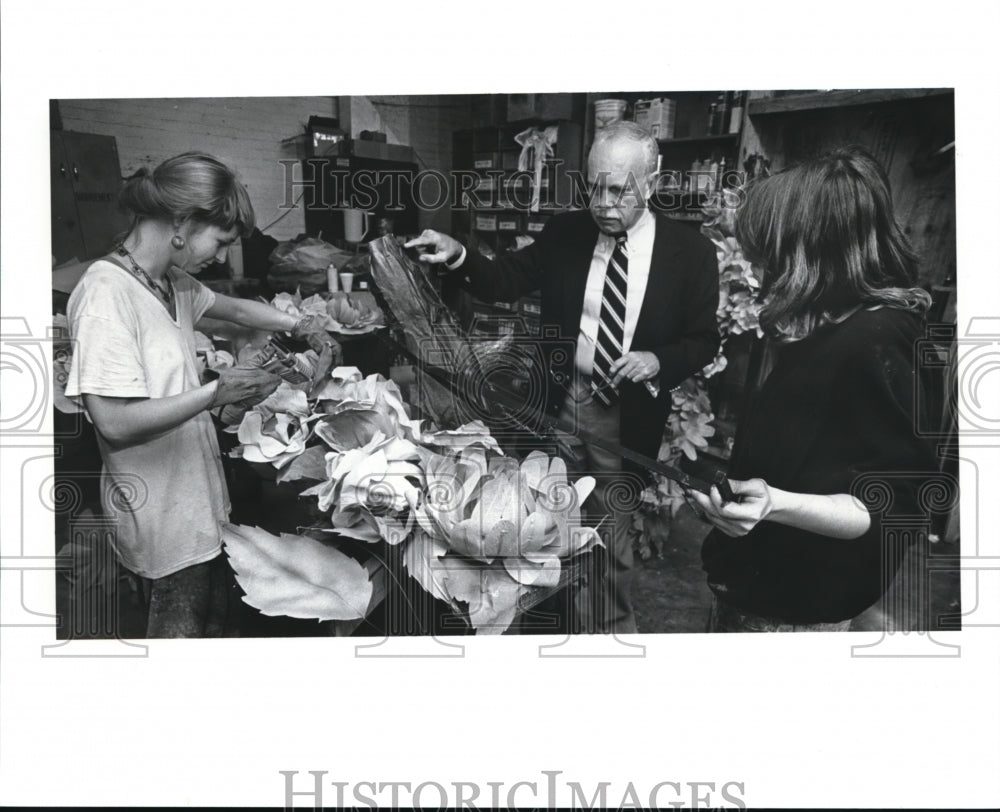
(177, 241)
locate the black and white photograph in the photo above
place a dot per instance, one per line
(353, 397)
(520, 363)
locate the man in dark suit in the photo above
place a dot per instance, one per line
(638, 294)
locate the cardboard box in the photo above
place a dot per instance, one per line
(531, 308)
(517, 191)
(485, 222)
(656, 115)
(536, 222)
(485, 160)
(510, 222)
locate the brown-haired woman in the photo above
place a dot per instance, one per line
(132, 319)
(798, 551)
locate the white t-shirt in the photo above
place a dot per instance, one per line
(166, 494)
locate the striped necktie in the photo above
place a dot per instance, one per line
(611, 327)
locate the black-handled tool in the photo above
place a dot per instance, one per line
(725, 489)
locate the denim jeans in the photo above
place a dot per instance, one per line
(192, 602)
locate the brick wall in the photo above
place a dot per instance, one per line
(245, 133)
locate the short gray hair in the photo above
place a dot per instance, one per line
(637, 134)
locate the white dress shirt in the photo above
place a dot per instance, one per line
(640, 251)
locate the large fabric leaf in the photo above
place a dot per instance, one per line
(296, 576)
(380, 588)
(311, 464)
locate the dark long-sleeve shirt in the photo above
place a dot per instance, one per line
(835, 415)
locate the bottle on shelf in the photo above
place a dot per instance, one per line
(736, 113)
(713, 119)
(721, 114)
(694, 183)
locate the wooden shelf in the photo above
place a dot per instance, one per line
(701, 194)
(698, 139)
(826, 99)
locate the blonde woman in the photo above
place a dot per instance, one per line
(132, 321)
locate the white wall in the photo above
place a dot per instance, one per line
(245, 133)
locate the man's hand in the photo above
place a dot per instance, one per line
(444, 249)
(635, 366)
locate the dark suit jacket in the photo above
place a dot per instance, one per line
(677, 320)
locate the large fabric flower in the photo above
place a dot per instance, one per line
(355, 408)
(275, 431)
(490, 528)
(371, 492)
(353, 314)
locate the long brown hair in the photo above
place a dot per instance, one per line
(191, 186)
(826, 237)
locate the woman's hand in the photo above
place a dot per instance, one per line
(307, 325)
(754, 504)
(245, 386)
(310, 329)
(838, 515)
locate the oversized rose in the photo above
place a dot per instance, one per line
(353, 313)
(489, 529)
(275, 431)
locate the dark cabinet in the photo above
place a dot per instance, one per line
(497, 216)
(385, 188)
(85, 177)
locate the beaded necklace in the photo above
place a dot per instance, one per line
(166, 292)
